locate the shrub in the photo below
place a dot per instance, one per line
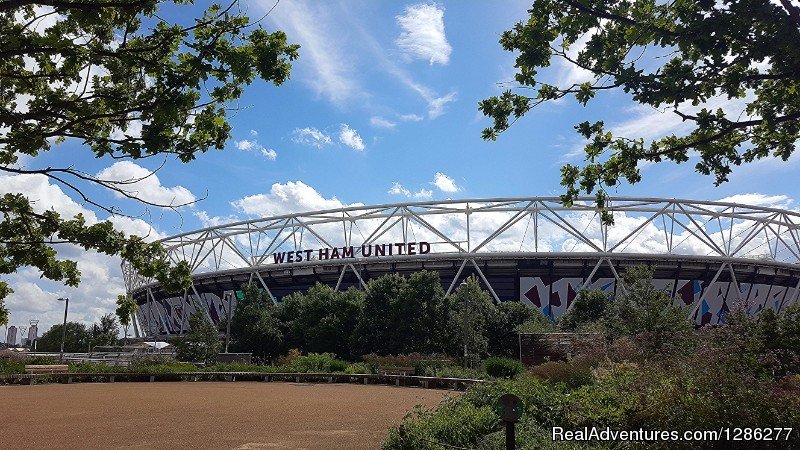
(12, 366)
(83, 367)
(318, 363)
(244, 367)
(503, 367)
(290, 356)
(451, 371)
(358, 368)
(573, 373)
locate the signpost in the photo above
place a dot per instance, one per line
(509, 408)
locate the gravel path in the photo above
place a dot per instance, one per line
(244, 415)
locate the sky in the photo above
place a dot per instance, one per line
(381, 107)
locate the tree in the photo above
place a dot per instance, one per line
(469, 308)
(254, 325)
(374, 330)
(105, 331)
(322, 320)
(646, 313)
(588, 307)
(126, 311)
(201, 344)
(3, 314)
(403, 315)
(127, 84)
(503, 327)
(77, 338)
(684, 57)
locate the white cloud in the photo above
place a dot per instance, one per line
(351, 138)
(445, 183)
(101, 277)
(410, 117)
(212, 221)
(144, 184)
(269, 153)
(433, 100)
(569, 73)
(286, 198)
(756, 199)
(322, 51)
(380, 122)
(436, 105)
(399, 189)
(246, 145)
(423, 35)
(312, 137)
(252, 144)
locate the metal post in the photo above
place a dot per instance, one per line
(228, 331)
(510, 438)
(64, 329)
(466, 311)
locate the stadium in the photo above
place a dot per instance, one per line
(707, 255)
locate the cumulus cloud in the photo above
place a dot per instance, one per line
(312, 137)
(756, 199)
(285, 198)
(144, 184)
(351, 138)
(380, 122)
(423, 35)
(399, 189)
(101, 277)
(445, 183)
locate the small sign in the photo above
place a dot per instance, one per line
(509, 408)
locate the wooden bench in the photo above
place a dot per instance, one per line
(395, 371)
(46, 368)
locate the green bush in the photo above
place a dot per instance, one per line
(456, 423)
(358, 368)
(451, 371)
(503, 367)
(41, 360)
(94, 368)
(318, 363)
(469, 420)
(12, 366)
(245, 367)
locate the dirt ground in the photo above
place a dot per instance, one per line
(242, 415)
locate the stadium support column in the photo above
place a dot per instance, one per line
(696, 305)
(455, 278)
(266, 288)
(483, 277)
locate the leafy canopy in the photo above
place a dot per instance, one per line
(682, 56)
(127, 84)
(201, 344)
(126, 309)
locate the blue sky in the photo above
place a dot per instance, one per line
(381, 107)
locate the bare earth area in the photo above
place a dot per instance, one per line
(244, 415)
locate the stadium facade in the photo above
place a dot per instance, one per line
(707, 255)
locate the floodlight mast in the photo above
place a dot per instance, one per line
(64, 328)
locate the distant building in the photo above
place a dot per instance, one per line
(33, 333)
(11, 338)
